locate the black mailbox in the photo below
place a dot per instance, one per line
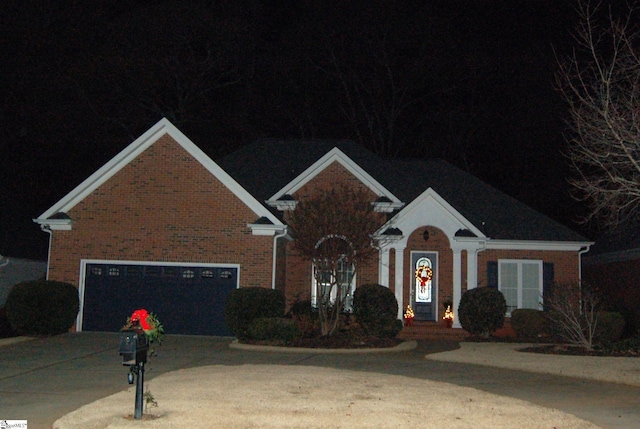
(134, 346)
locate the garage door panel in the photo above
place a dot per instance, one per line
(104, 317)
(187, 300)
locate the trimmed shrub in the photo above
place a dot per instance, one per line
(247, 304)
(610, 327)
(631, 318)
(376, 309)
(530, 325)
(306, 317)
(392, 329)
(302, 308)
(273, 329)
(629, 346)
(482, 311)
(42, 307)
(5, 326)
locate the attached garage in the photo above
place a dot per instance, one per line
(188, 299)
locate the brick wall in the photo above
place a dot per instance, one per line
(566, 264)
(299, 270)
(163, 206)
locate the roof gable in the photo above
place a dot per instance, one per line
(496, 214)
(267, 165)
(334, 155)
(107, 171)
(271, 168)
(430, 208)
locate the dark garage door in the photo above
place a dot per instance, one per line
(187, 300)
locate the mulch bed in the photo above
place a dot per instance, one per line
(563, 349)
(335, 342)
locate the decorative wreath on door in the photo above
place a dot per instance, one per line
(423, 275)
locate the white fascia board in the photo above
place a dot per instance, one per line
(386, 207)
(54, 224)
(469, 243)
(407, 213)
(334, 155)
(143, 142)
(562, 246)
(264, 229)
(109, 169)
(387, 241)
(283, 205)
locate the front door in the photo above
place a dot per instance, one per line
(424, 285)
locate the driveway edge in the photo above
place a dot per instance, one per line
(402, 347)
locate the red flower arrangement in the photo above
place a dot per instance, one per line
(148, 322)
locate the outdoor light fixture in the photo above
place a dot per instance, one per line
(425, 235)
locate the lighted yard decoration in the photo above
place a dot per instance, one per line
(408, 316)
(448, 316)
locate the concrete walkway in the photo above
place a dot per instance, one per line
(43, 379)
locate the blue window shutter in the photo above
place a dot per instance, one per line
(492, 274)
(547, 281)
(547, 274)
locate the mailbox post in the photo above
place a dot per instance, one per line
(134, 346)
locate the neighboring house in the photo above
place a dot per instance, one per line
(613, 266)
(18, 270)
(162, 226)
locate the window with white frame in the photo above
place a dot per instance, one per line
(344, 277)
(520, 281)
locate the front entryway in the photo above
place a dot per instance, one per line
(188, 299)
(424, 269)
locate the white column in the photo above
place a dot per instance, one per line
(457, 285)
(399, 265)
(472, 269)
(383, 267)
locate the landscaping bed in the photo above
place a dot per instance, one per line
(332, 342)
(614, 350)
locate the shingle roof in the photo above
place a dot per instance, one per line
(495, 213)
(265, 166)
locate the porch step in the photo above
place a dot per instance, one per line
(434, 331)
(431, 330)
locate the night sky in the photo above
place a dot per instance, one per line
(471, 82)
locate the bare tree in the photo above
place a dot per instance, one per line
(601, 83)
(384, 77)
(574, 313)
(173, 60)
(363, 71)
(334, 229)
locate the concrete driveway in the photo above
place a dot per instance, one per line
(43, 379)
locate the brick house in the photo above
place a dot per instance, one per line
(164, 227)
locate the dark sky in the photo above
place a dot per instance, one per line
(468, 81)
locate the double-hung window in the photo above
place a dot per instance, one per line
(520, 281)
(345, 278)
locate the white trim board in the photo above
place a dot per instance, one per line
(161, 128)
(334, 155)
